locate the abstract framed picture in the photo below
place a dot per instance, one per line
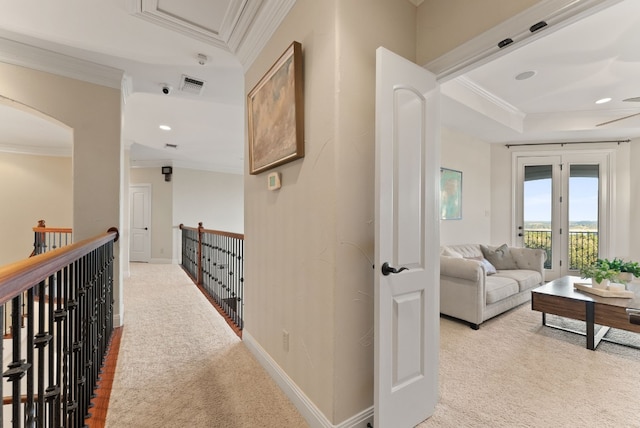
(276, 114)
(450, 194)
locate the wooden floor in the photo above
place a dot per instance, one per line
(103, 392)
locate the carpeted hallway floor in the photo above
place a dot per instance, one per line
(180, 365)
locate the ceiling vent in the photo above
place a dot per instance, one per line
(191, 85)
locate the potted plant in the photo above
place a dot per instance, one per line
(628, 270)
(601, 273)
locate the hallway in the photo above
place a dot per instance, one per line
(180, 364)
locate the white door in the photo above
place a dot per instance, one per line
(140, 203)
(407, 303)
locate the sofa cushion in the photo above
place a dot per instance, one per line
(500, 257)
(488, 267)
(499, 287)
(466, 250)
(526, 279)
(446, 251)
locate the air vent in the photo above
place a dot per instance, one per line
(192, 85)
(171, 146)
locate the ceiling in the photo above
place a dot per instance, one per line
(158, 42)
(594, 58)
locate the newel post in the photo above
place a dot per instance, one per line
(200, 232)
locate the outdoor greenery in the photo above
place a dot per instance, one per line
(583, 246)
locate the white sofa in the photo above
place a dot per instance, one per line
(471, 292)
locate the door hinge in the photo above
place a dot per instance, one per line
(560, 263)
(560, 167)
(560, 199)
(560, 231)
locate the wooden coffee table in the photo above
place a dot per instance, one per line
(559, 297)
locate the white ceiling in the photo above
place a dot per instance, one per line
(593, 58)
(156, 42)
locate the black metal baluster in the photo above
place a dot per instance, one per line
(29, 405)
(56, 350)
(40, 342)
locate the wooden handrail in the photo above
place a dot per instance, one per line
(216, 232)
(22, 275)
(53, 229)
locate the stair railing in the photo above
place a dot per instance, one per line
(45, 239)
(215, 262)
(49, 238)
(53, 363)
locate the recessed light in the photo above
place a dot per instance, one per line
(525, 75)
(603, 100)
(165, 127)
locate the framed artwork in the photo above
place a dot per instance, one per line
(450, 194)
(276, 115)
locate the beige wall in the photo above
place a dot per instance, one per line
(309, 246)
(32, 188)
(161, 211)
(213, 198)
(445, 25)
(93, 112)
(465, 153)
(290, 233)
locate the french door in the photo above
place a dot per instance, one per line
(562, 207)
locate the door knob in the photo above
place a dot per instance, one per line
(386, 269)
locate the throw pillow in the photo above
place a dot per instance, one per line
(451, 253)
(488, 267)
(500, 257)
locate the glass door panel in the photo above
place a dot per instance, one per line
(583, 209)
(537, 209)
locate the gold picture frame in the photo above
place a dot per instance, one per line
(276, 114)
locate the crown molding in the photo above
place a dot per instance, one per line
(484, 48)
(65, 152)
(25, 55)
(267, 22)
(474, 96)
(416, 3)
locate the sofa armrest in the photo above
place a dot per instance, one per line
(456, 267)
(529, 258)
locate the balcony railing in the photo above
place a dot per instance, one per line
(215, 262)
(583, 246)
(53, 362)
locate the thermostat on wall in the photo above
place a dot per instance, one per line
(273, 181)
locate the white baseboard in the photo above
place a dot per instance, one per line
(117, 320)
(314, 417)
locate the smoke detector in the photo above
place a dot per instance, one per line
(191, 85)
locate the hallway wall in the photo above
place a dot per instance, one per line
(32, 188)
(309, 246)
(93, 112)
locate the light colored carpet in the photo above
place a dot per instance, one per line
(514, 372)
(180, 365)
